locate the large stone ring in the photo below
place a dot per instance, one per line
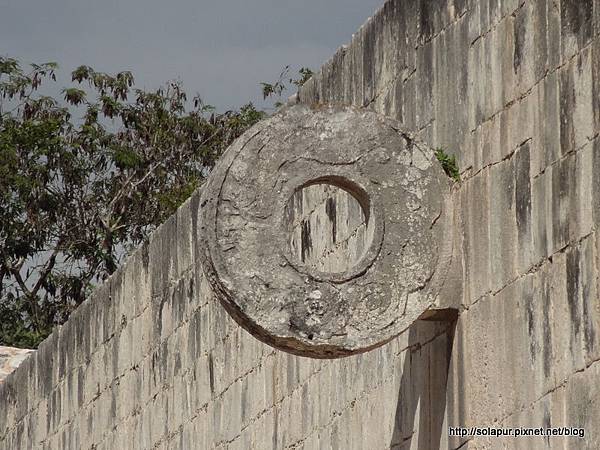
(326, 231)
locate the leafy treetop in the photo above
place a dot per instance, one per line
(85, 179)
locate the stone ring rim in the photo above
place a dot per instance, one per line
(367, 196)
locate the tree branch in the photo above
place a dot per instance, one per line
(45, 272)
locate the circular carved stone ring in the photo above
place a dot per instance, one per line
(325, 230)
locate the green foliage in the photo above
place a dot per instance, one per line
(76, 193)
(74, 96)
(278, 87)
(305, 75)
(449, 164)
(14, 332)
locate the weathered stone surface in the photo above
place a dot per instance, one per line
(153, 361)
(256, 222)
(525, 131)
(10, 359)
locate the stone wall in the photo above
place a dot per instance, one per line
(511, 88)
(10, 359)
(152, 361)
(341, 240)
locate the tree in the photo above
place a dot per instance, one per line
(281, 84)
(85, 179)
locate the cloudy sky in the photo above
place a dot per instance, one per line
(221, 49)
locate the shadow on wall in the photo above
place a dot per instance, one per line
(423, 386)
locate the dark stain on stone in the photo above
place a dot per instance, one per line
(567, 106)
(305, 408)
(460, 6)
(57, 409)
(530, 314)
(576, 19)
(275, 427)
(145, 255)
(90, 422)
(331, 210)
(194, 208)
(164, 353)
(596, 180)
(399, 95)
(540, 56)
(573, 291)
(191, 336)
(508, 179)
(335, 441)
(62, 358)
(191, 289)
(299, 201)
(547, 330)
(562, 181)
(178, 300)
(547, 421)
(80, 386)
(45, 361)
(49, 417)
(305, 240)
(211, 373)
(519, 31)
(17, 440)
(369, 39)
(541, 224)
(157, 309)
(426, 79)
(177, 363)
(523, 194)
(115, 358)
(290, 378)
(113, 405)
(154, 368)
(244, 400)
(426, 20)
(588, 326)
(551, 127)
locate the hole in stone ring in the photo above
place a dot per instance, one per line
(328, 225)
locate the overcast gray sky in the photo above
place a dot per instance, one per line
(221, 49)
